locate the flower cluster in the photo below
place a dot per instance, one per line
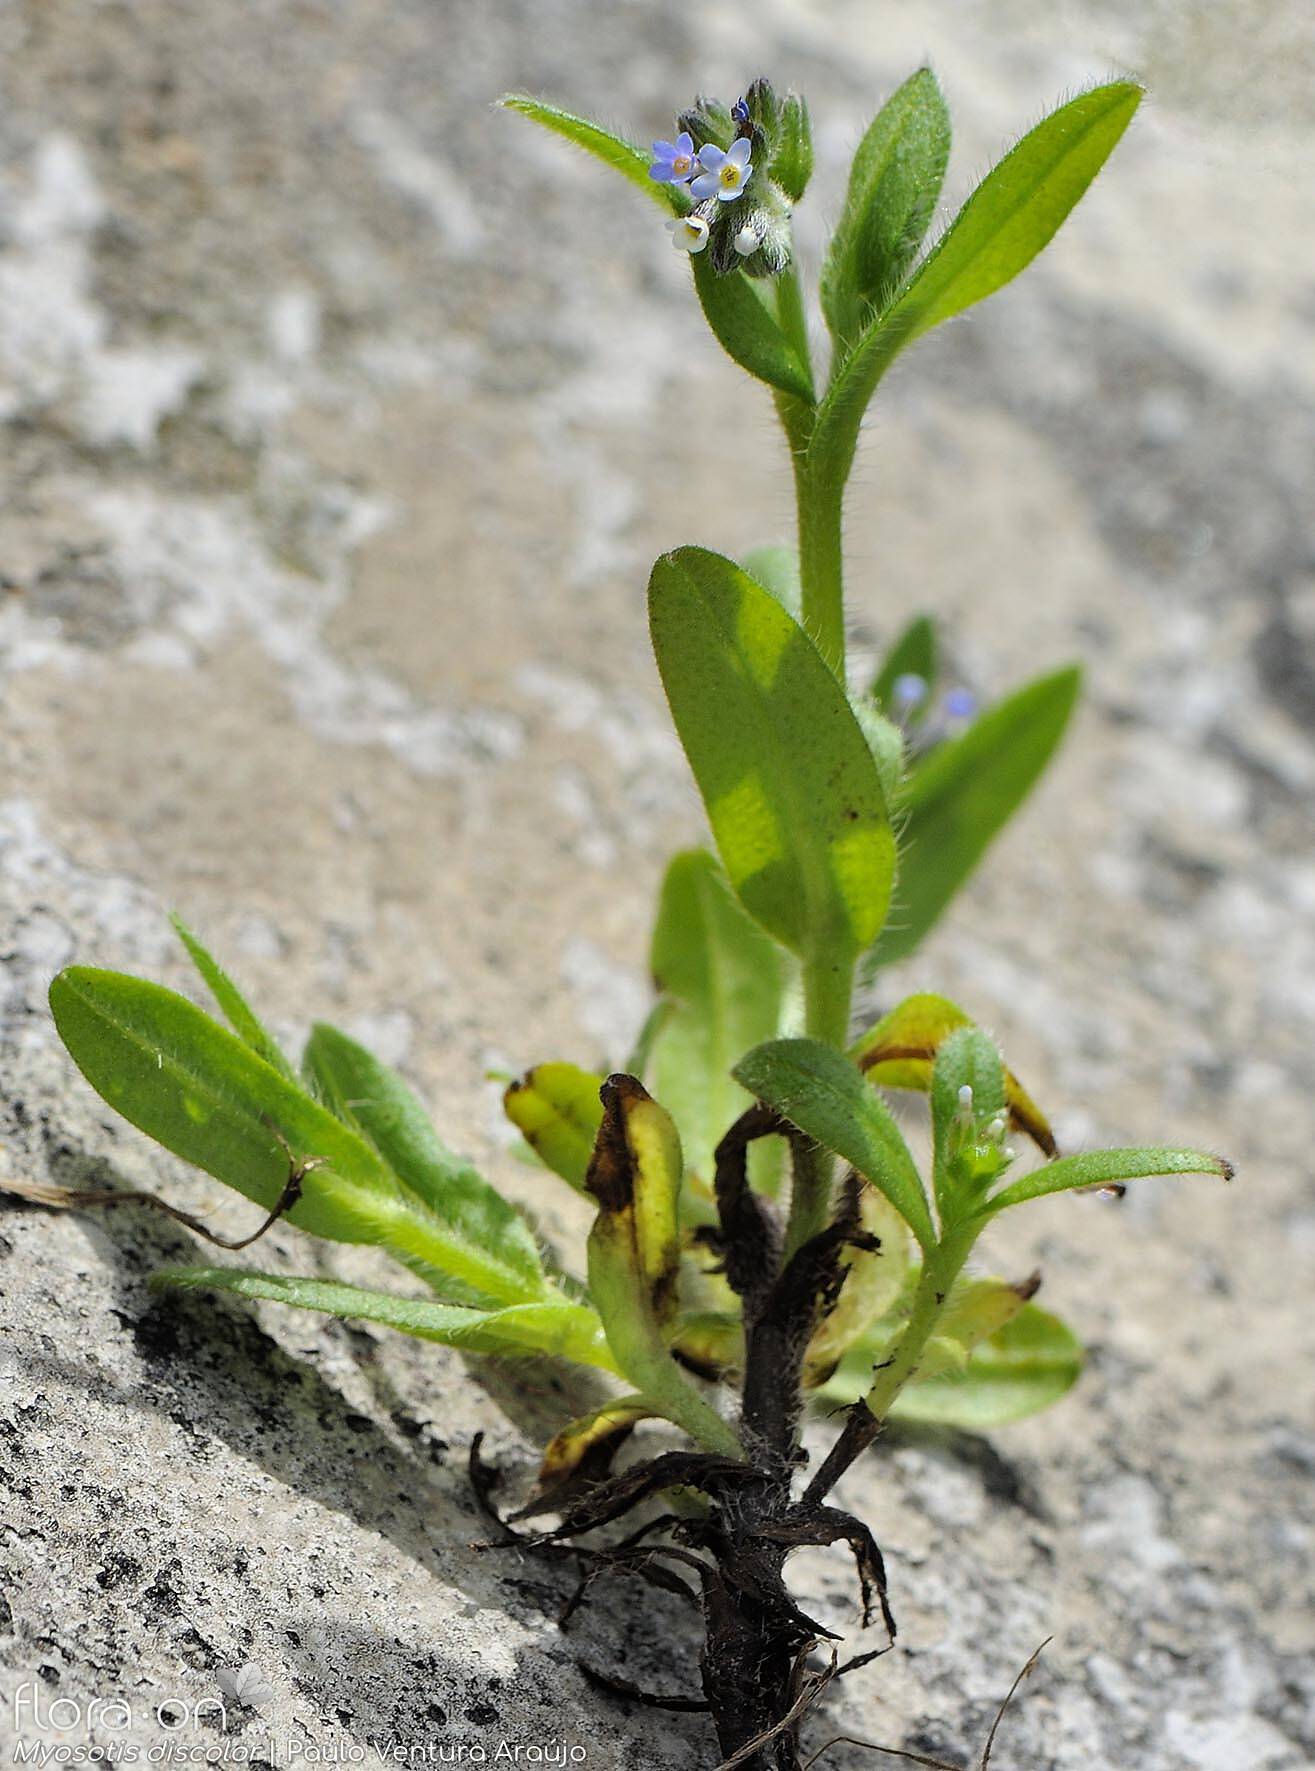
(740, 168)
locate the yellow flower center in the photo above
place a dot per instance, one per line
(681, 164)
(730, 175)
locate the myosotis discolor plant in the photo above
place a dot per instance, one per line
(760, 1224)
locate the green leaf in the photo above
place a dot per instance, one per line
(957, 802)
(202, 1093)
(747, 329)
(962, 1165)
(374, 1100)
(1018, 208)
(723, 978)
(232, 1002)
(894, 183)
(777, 569)
(913, 654)
(792, 793)
(1020, 1370)
(556, 1109)
(561, 1330)
(1012, 214)
(634, 1254)
(1105, 1168)
(792, 162)
(821, 1093)
(613, 150)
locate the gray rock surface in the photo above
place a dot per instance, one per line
(343, 417)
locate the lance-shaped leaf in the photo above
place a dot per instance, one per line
(634, 1254)
(894, 182)
(898, 1053)
(792, 793)
(1105, 1168)
(236, 1009)
(556, 1109)
(822, 1093)
(874, 1279)
(792, 162)
(957, 802)
(1009, 218)
(912, 655)
(560, 1329)
(613, 150)
(204, 1094)
(745, 325)
(723, 978)
(375, 1101)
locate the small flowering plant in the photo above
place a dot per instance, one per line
(764, 1244)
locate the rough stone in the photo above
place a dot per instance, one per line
(343, 418)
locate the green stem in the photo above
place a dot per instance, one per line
(821, 560)
(828, 988)
(941, 1267)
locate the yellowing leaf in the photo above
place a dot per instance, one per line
(900, 1050)
(556, 1109)
(634, 1254)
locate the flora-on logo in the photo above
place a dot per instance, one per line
(247, 1686)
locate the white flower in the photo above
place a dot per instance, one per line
(724, 175)
(689, 233)
(746, 241)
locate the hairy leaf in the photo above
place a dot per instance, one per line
(958, 801)
(894, 183)
(613, 150)
(204, 1094)
(792, 162)
(375, 1101)
(748, 330)
(1011, 215)
(230, 999)
(563, 1330)
(792, 792)
(1106, 1168)
(824, 1095)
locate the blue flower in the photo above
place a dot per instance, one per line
(908, 691)
(960, 704)
(723, 175)
(673, 161)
